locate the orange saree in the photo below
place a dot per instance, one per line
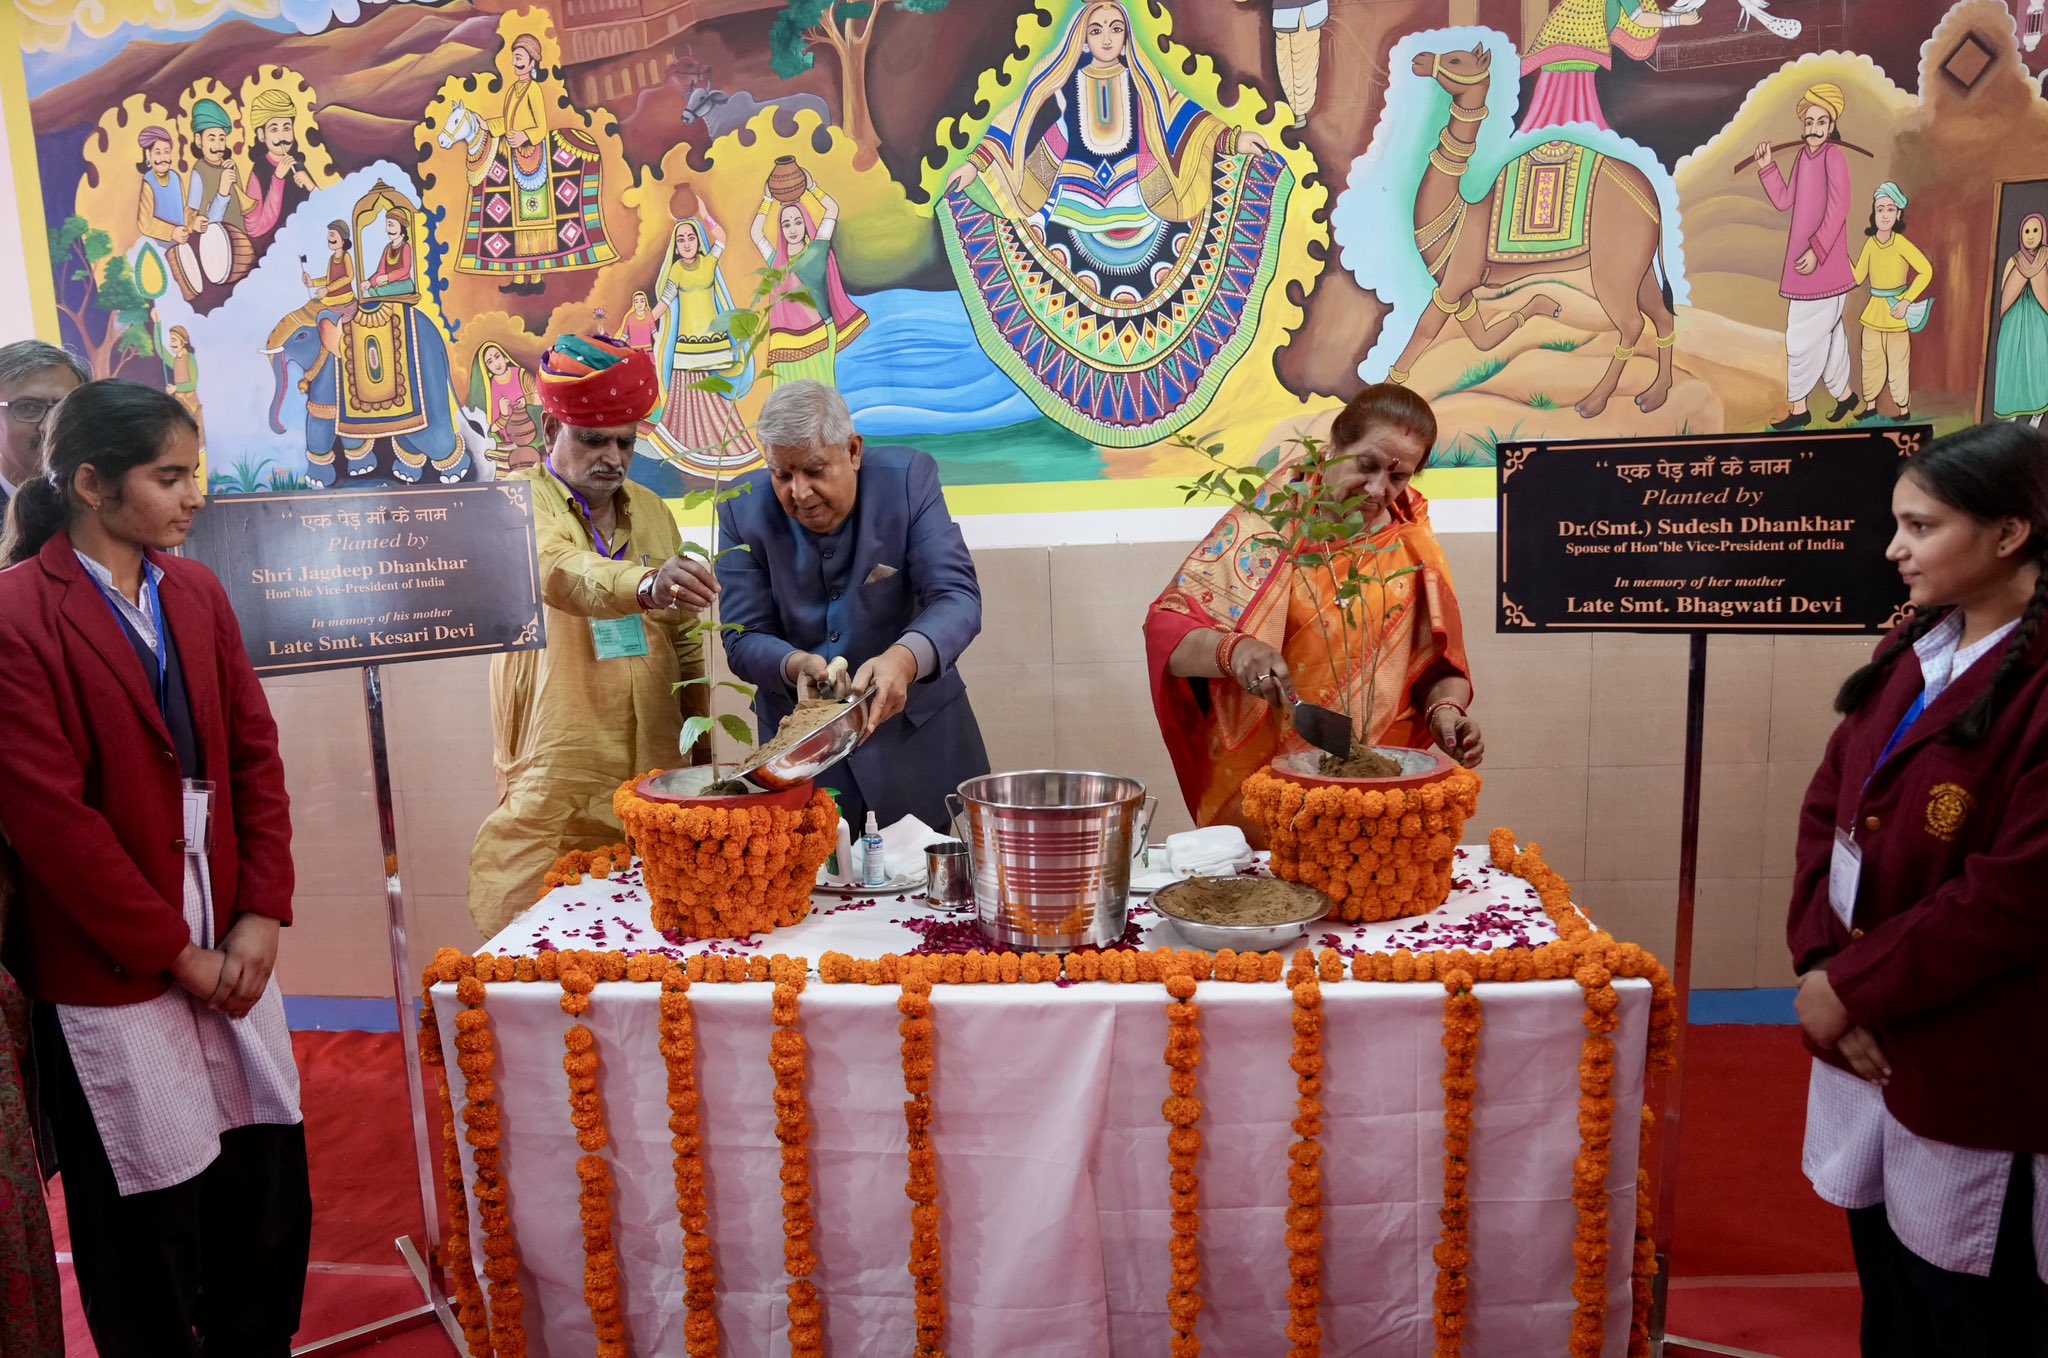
(1218, 734)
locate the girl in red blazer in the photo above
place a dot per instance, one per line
(1919, 916)
(151, 845)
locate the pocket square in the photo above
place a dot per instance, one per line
(879, 574)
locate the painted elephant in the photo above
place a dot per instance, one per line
(381, 373)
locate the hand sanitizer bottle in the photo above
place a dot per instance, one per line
(873, 871)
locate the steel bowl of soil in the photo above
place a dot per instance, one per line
(811, 739)
(1245, 914)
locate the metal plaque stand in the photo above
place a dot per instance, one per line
(1681, 981)
(425, 1267)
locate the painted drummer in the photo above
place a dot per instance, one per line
(217, 252)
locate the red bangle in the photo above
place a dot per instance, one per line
(1225, 649)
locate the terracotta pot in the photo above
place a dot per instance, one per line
(727, 867)
(1422, 766)
(1381, 848)
(790, 798)
(787, 180)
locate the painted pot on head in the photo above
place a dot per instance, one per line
(786, 182)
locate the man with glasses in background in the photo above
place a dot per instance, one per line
(34, 376)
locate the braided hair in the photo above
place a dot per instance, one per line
(1989, 472)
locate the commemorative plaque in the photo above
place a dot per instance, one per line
(1720, 533)
(337, 581)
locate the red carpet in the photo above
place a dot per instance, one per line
(1760, 1263)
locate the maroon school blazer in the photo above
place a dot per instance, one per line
(90, 789)
(1947, 959)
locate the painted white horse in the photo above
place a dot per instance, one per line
(465, 128)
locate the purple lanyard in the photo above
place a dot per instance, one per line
(577, 495)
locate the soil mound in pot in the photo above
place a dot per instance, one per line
(1240, 901)
(1363, 762)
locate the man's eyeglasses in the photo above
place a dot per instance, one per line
(29, 409)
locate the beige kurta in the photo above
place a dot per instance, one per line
(569, 727)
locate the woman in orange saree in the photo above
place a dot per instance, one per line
(1240, 631)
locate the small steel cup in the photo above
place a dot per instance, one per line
(950, 884)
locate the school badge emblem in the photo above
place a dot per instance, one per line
(1948, 806)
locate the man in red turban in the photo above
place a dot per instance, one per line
(600, 703)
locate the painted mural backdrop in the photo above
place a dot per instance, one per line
(1043, 240)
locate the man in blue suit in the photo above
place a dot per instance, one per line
(851, 555)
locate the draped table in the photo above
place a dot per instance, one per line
(1051, 1146)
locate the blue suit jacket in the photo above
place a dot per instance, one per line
(797, 590)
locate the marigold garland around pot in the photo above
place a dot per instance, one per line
(1379, 855)
(793, 1130)
(1183, 1143)
(685, 1124)
(922, 1187)
(727, 871)
(601, 1282)
(1305, 1157)
(1453, 1253)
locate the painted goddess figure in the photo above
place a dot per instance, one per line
(1077, 228)
(700, 429)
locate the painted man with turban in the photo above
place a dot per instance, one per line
(217, 253)
(275, 117)
(599, 703)
(160, 203)
(1817, 276)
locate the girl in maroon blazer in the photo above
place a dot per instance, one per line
(151, 843)
(1919, 917)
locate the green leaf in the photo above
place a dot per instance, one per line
(706, 681)
(694, 730)
(745, 324)
(713, 383)
(736, 728)
(696, 549)
(1269, 461)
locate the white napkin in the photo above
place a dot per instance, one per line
(1217, 851)
(903, 846)
(1214, 852)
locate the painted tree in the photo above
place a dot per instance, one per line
(112, 315)
(847, 27)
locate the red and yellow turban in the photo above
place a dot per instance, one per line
(592, 382)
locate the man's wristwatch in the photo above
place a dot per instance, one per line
(645, 592)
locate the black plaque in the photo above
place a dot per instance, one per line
(1711, 533)
(322, 582)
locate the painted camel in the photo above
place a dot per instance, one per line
(1542, 215)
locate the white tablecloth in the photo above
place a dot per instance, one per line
(1052, 1148)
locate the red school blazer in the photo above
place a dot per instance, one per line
(1946, 960)
(90, 789)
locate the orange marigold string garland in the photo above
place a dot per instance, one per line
(679, 1053)
(460, 1266)
(793, 1130)
(474, 1054)
(922, 1187)
(1590, 1170)
(601, 1282)
(570, 868)
(1183, 1144)
(715, 871)
(1305, 1170)
(1380, 854)
(1454, 1248)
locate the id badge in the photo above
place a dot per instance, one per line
(198, 800)
(618, 638)
(1845, 869)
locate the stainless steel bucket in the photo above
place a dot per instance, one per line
(1052, 855)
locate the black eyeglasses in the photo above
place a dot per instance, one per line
(29, 409)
